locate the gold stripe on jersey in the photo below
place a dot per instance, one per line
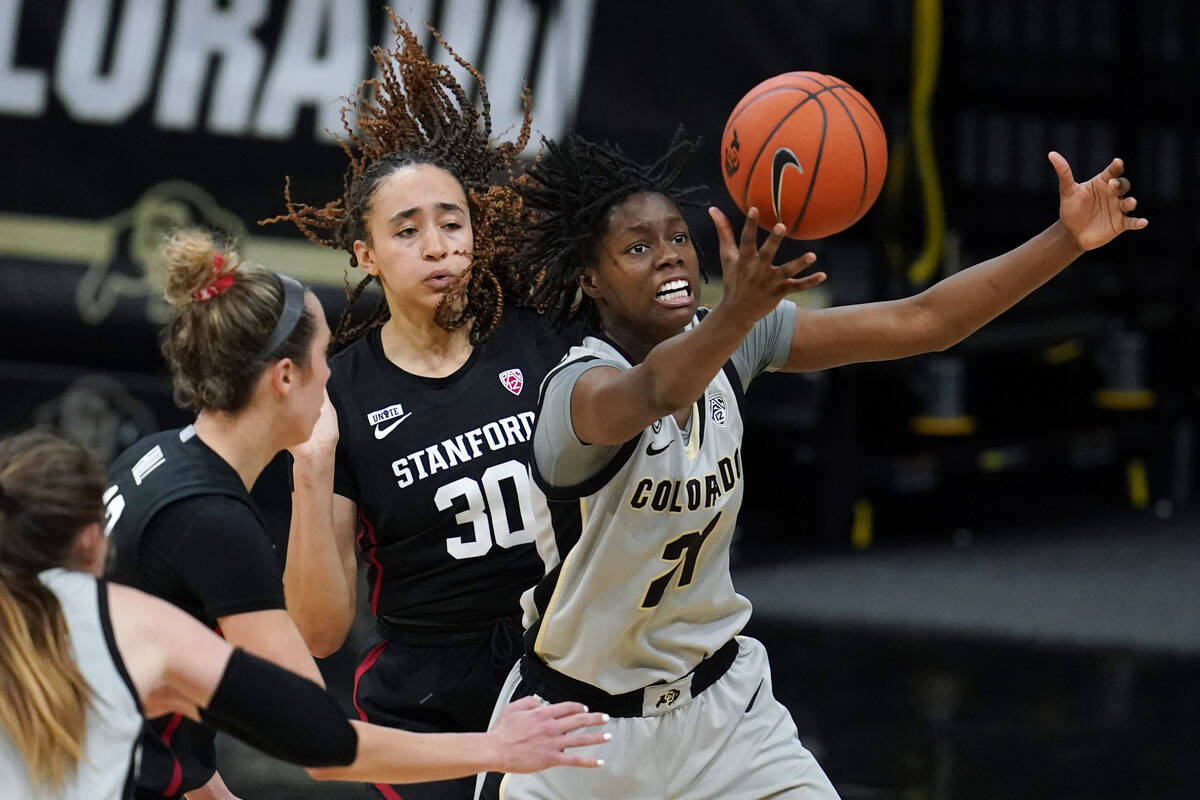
(693, 444)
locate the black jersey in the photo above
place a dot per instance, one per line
(209, 552)
(439, 470)
(184, 529)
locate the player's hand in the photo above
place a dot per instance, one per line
(324, 437)
(531, 736)
(1095, 212)
(313, 459)
(753, 284)
(215, 789)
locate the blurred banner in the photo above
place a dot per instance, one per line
(122, 119)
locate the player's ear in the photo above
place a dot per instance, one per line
(283, 375)
(365, 257)
(589, 283)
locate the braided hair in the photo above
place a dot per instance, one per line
(569, 193)
(417, 113)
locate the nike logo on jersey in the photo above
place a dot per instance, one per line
(393, 413)
(380, 433)
(783, 159)
(651, 450)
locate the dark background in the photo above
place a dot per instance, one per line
(1075, 484)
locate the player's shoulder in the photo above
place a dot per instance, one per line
(146, 447)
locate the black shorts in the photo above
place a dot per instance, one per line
(431, 681)
(177, 756)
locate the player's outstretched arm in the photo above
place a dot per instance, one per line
(177, 665)
(609, 406)
(321, 573)
(528, 736)
(1091, 214)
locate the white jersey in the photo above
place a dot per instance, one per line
(637, 587)
(114, 720)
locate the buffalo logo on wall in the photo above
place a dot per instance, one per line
(99, 413)
(130, 265)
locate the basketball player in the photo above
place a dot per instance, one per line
(638, 438)
(431, 417)
(82, 660)
(246, 349)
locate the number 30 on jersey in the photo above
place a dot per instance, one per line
(487, 506)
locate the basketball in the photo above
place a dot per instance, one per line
(807, 150)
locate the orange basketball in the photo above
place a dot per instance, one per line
(807, 150)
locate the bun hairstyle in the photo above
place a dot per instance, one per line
(50, 489)
(228, 322)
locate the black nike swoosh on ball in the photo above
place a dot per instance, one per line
(782, 160)
(651, 451)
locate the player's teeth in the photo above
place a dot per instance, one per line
(671, 287)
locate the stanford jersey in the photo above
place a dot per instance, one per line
(184, 529)
(438, 468)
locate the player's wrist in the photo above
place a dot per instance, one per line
(312, 475)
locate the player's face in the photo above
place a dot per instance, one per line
(646, 279)
(419, 238)
(309, 392)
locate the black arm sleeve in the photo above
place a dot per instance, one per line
(280, 713)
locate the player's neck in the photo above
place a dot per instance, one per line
(634, 342)
(240, 439)
(425, 348)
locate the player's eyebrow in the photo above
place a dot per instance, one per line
(409, 213)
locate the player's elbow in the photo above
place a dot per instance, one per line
(325, 640)
(325, 773)
(325, 645)
(666, 398)
(929, 329)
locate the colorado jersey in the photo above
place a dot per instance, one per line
(439, 470)
(114, 718)
(637, 587)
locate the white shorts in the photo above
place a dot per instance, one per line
(734, 741)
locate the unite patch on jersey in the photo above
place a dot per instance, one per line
(394, 413)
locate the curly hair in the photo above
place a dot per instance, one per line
(417, 113)
(569, 193)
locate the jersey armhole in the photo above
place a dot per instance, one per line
(111, 640)
(593, 483)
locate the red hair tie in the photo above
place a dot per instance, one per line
(220, 283)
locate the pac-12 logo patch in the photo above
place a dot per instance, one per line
(513, 380)
(717, 409)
